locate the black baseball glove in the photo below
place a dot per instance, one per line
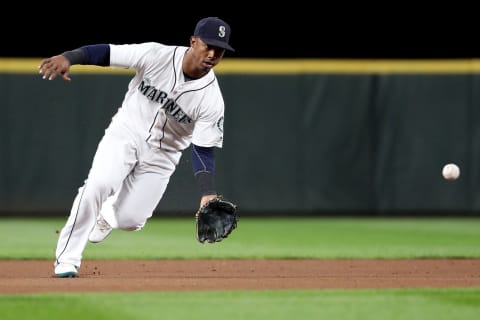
(215, 220)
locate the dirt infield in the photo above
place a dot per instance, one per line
(181, 275)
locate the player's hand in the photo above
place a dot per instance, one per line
(206, 198)
(57, 65)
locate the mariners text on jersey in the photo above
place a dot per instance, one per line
(159, 96)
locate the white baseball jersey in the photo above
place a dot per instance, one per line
(160, 116)
(166, 110)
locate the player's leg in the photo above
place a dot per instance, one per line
(141, 191)
(114, 159)
(102, 228)
(136, 201)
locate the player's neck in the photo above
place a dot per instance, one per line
(189, 68)
(187, 77)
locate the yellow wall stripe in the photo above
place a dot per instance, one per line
(287, 66)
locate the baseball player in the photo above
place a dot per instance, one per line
(174, 101)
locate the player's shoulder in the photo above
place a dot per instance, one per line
(145, 46)
(214, 98)
(210, 83)
(157, 47)
(165, 50)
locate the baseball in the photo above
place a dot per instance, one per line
(451, 171)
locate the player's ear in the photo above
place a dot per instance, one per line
(193, 40)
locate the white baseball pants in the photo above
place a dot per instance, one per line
(126, 181)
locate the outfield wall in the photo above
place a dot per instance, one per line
(301, 136)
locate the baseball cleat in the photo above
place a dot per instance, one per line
(66, 270)
(101, 230)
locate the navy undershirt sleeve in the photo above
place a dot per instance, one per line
(97, 54)
(203, 159)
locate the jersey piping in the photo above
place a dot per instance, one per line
(166, 118)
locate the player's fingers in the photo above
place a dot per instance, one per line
(42, 68)
(49, 68)
(45, 65)
(66, 76)
(45, 70)
(51, 71)
(49, 74)
(44, 62)
(45, 73)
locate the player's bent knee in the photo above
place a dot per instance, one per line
(130, 225)
(96, 186)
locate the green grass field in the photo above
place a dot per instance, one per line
(165, 238)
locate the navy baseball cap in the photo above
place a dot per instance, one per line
(214, 32)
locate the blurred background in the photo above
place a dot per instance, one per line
(361, 30)
(330, 111)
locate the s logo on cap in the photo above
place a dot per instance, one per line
(221, 31)
(214, 32)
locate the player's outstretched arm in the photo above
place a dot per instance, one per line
(56, 65)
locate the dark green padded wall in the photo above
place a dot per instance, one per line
(306, 143)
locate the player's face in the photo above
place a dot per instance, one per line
(205, 57)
